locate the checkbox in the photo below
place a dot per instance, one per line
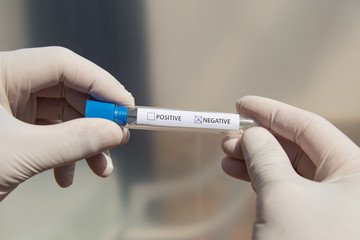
(198, 119)
(151, 116)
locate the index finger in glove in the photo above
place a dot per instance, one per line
(325, 145)
(35, 69)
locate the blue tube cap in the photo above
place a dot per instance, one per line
(110, 111)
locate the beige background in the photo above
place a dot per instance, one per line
(202, 54)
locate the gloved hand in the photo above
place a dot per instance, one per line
(50, 86)
(306, 173)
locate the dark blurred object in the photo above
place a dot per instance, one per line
(111, 34)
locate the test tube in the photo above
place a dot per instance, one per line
(150, 118)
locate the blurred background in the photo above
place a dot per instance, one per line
(186, 54)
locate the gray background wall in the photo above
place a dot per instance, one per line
(188, 54)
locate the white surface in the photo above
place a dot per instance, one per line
(187, 119)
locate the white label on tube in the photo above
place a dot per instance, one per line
(187, 119)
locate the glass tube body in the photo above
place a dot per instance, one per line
(149, 118)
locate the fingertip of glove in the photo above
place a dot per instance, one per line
(126, 135)
(101, 164)
(131, 102)
(228, 144)
(224, 164)
(64, 182)
(125, 99)
(107, 131)
(235, 168)
(105, 172)
(242, 103)
(64, 175)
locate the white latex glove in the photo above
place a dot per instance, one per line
(305, 171)
(51, 85)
